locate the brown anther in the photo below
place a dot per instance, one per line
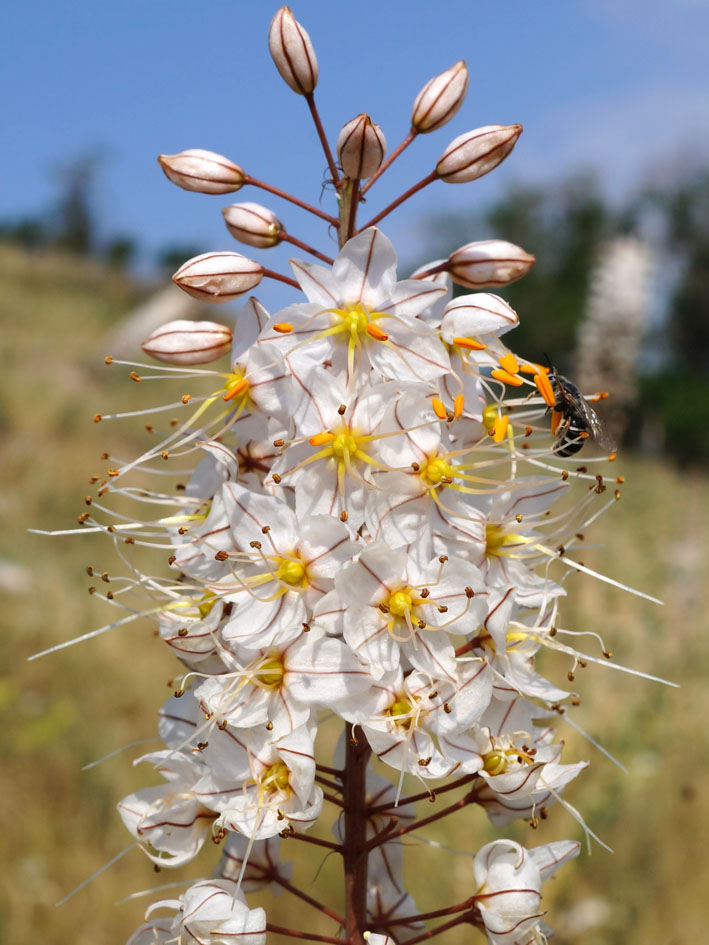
(570, 676)
(276, 478)
(129, 540)
(172, 559)
(469, 593)
(255, 544)
(343, 515)
(433, 694)
(174, 422)
(182, 632)
(415, 467)
(424, 762)
(269, 726)
(342, 410)
(180, 487)
(612, 456)
(384, 608)
(450, 417)
(582, 469)
(620, 480)
(443, 558)
(617, 494)
(108, 359)
(97, 418)
(105, 578)
(202, 745)
(518, 518)
(561, 550)
(600, 488)
(113, 473)
(92, 590)
(306, 627)
(186, 398)
(222, 725)
(543, 813)
(583, 664)
(104, 456)
(421, 624)
(607, 654)
(221, 556)
(182, 530)
(564, 475)
(424, 592)
(82, 518)
(87, 499)
(110, 529)
(179, 693)
(279, 442)
(164, 454)
(354, 741)
(135, 377)
(149, 428)
(580, 536)
(446, 708)
(156, 868)
(533, 822)
(442, 609)
(528, 431)
(576, 701)
(89, 570)
(552, 632)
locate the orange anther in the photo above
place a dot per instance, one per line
(283, 327)
(499, 428)
(512, 379)
(237, 389)
(320, 438)
(509, 363)
(556, 416)
(612, 456)
(531, 367)
(377, 333)
(458, 405)
(470, 343)
(545, 389)
(438, 408)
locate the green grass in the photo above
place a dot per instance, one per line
(70, 708)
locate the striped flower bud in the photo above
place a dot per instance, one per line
(253, 224)
(489, 263)
(203, 171)
(476, 153)
(440, 99)
(361, 147)
(293, 52)
(185, 342)
(218, 277)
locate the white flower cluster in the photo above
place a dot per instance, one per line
(377, 528)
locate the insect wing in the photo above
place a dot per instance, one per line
(594, 425)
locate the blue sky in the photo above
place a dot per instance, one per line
(619, 85)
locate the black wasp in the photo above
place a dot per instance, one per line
(578, 419)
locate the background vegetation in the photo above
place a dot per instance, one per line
(68, 709)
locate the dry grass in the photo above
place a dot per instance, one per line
(68, 709)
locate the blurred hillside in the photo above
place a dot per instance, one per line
(68, 709)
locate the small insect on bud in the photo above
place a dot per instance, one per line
(440, 99)
(292, 52)
(218, 277)
(253, 224)
(361, 147)
(476, 153)
(203, 171)
(489, 263)
(185, 342)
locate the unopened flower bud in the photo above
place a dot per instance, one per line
(218, 277)
(203, 171)
(476, 152)
(185, 342)
(489, 263)
(440, 99)
(361, 147)
(253, 224)
(293, 52)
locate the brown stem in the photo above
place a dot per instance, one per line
(352, 215)
(309, 936)
(336, 847)
(326, 782)
(279, 277)
(423, 916)
(310, 99)
(354, 854)
(248, 179)
(337, 801)
(306, 898)
(335, 772)
(399, 200)
(447, 811)
(466, 917)
(308, 249)
(390, 160)
(430, 795)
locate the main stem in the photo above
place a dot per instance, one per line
(355, 818)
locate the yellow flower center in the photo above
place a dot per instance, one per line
(500, 542)
(401, 713)
(270, 673)
(400, 602)
(435, 470)
(291, 571)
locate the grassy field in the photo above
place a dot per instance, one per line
(65, 710)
